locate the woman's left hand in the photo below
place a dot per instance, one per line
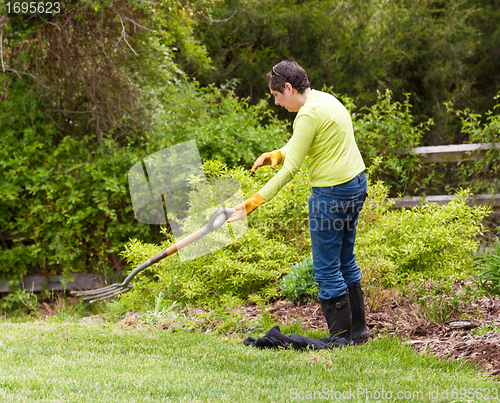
(272, 158)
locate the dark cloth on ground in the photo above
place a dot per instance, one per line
(275, 339)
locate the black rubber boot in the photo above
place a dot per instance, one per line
(337, 313)
(360, 333)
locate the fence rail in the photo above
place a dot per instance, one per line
(454, 152)
(492, 200)
(86, 281)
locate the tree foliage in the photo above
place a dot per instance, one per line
(74, 113)
(357, 47)
(483, 64)
(92, 63)
(226, 128)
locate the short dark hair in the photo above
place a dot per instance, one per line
(288, 72)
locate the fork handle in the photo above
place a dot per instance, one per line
(163, 254)
(223, 213)
(212, 225)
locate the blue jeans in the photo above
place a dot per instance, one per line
(333, 217)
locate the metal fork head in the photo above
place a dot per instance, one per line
(103, 293)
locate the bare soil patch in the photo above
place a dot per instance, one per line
(454, 339)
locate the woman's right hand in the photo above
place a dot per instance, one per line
(272, 158)
(245, 208)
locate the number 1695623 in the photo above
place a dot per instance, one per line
(33, 7)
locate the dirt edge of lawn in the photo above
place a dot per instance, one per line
(453, 339)
(457, 338)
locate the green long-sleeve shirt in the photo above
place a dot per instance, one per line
(323, 131)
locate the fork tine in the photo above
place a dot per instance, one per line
(96, 291)
(112, 295)
(104, 293)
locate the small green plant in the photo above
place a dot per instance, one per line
(484, 328)
(441, 301)
(29, 300)
(489, 278)
(13, 304)
(298, 285)
(162, 310)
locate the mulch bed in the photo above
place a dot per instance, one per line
(453, 339)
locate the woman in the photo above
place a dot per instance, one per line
(323, 131)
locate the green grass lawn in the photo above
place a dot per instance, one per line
(72, 362)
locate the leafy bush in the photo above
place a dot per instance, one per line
(226, 128)
(393, 247)
(489, 278)
(386, 130)
(298, 285)
(251, 268)
(428, 241)
(64, 205)
(482, 175)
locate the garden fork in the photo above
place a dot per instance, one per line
(217, 219)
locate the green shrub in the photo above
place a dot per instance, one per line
(250, 269)
(226, 128)
(298, 285)
(387, 131)
(65, 206)
(393, 247)
(429, 241)
(482, 175)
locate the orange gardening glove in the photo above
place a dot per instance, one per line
(272, 158)
(245, 208)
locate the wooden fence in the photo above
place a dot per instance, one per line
(452, 153)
